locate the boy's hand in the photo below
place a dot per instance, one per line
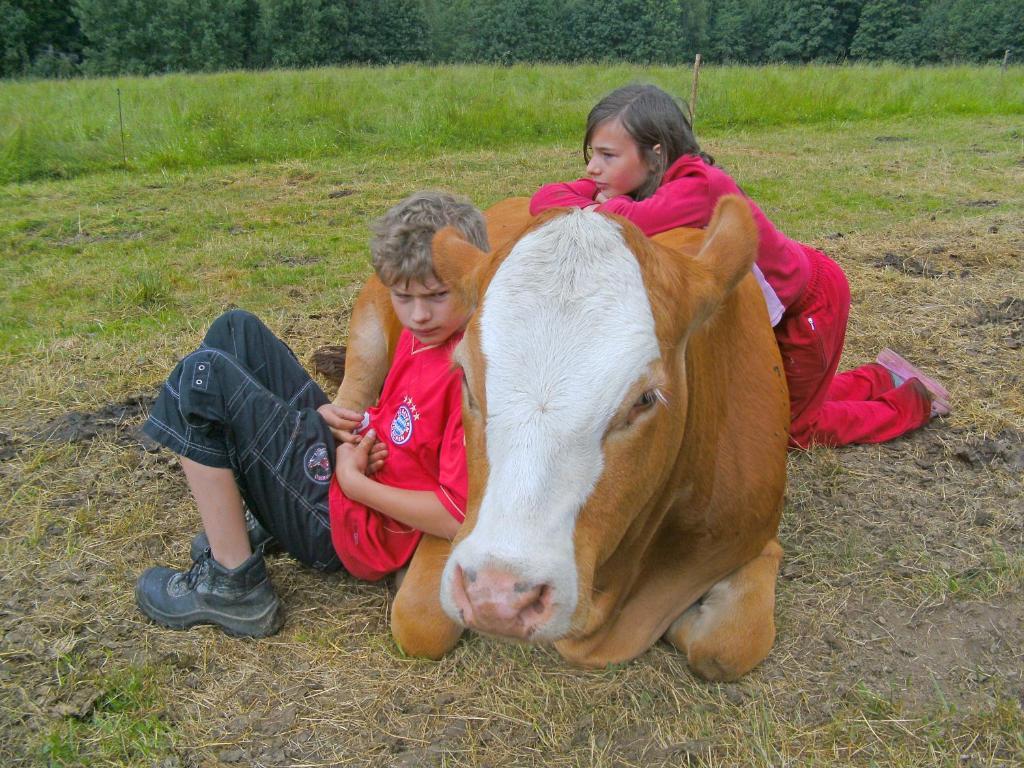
(341, 422)
(354, 460)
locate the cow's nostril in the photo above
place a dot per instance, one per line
(543, 601)
(470, 575)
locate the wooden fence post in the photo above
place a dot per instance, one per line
(693, 89)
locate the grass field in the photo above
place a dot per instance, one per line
(899, 611)
(66, 129)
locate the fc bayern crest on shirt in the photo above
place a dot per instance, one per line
(401, 427)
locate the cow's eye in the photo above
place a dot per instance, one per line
(647, 399)
(643, 403)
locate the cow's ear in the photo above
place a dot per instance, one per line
(456, 264)
(725, 257)
(686, 290)
(730, 245)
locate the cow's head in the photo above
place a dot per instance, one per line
(574, 405)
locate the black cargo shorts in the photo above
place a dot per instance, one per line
(242, 401)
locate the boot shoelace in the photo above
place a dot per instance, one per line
(191, 576)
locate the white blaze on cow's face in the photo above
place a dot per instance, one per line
(565, 332)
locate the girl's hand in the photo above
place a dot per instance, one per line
(378, 455)
(602, 197)
(355, 460)
(341, 422)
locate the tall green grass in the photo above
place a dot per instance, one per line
(63, 129)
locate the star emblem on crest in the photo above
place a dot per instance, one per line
(412, 407)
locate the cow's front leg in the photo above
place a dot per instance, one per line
(418, 623)
(371, 338)
(732, 628)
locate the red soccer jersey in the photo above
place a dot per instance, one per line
(419, 415)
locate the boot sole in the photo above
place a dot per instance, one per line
(264, 625)
(894, 363)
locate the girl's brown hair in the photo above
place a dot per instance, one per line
(651, 117)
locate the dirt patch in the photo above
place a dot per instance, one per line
(293, 260)
(918, 598)
(119, 420)
(9, 445)
(918, 267)
(1009, 313)
(1005, 449)
(954, 646)
(83, 237)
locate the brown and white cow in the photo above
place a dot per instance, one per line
(626, 419)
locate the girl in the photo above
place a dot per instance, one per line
(644, 163)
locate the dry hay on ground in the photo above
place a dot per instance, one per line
(900, 619)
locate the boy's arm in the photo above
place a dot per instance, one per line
(418, 509)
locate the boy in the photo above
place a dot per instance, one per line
(332, 487)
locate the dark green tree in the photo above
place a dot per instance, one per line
(387, 31)
(694, 18)
(887, 31)
(514, 30)
(644, 31)
(121, 35)
(146, 36)
(813, 30)
(449, 29)
(39, 37)
(973, 30)
(15, 39)
(739, 31)
(302, 33)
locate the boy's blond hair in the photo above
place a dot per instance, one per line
(401, 242)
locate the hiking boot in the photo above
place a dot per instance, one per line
(260, 539)
(241, 601)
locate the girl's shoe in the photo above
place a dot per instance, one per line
(902, 371)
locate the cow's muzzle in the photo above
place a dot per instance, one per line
(497, 602)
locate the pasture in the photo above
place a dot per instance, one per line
(900, 619)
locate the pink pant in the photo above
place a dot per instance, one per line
(826, 408)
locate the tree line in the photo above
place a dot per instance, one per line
(62, 38)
